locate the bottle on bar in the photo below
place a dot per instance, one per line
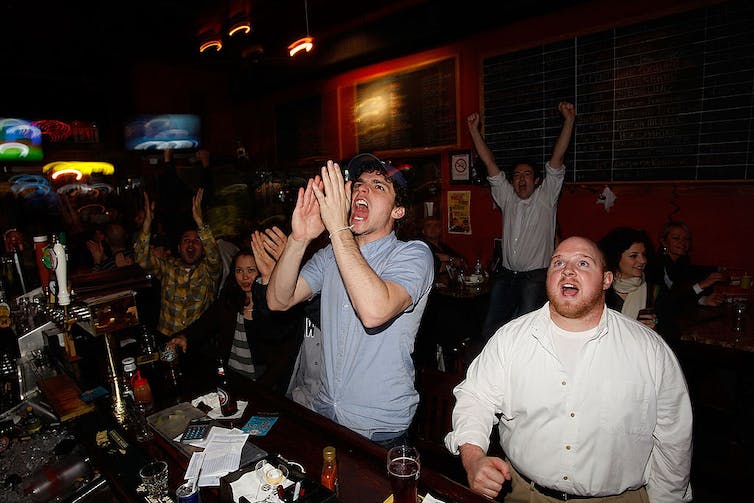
(228, 403)
(329, 469)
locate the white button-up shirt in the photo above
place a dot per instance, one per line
(622, 420)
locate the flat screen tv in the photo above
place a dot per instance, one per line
(162, 132)
(20, 140)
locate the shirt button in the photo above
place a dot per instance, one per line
(568, 447)
(565, 477)
(563, 383)
(573, 414)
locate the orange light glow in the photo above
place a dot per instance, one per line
(240, 28)
(211, 44)
(68, 171)
(302, 44)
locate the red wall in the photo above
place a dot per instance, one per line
(719, 214)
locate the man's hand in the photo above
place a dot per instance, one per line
(334, 197)
(567, 110)
(486, 474)
(473, 121)
(306, 222)
(196, 208)
(178, 341)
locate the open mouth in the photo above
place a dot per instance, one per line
(569, 289)
(360, 210)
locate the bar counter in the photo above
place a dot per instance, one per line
(298, 435)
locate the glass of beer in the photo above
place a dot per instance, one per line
(403, 472)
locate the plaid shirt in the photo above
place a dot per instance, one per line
(186, 291)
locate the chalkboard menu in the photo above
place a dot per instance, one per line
(408, 109)
(669, 99)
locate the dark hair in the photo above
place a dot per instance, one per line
(620, 239)
(528, 162)
(232, 294)
(386, 170)
(673, 224)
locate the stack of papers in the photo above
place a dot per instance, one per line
(221, 455)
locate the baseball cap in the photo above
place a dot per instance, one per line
(368, 162)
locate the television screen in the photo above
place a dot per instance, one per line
(20, 140)
(162, 132)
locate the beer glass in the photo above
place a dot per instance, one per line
(403, 473)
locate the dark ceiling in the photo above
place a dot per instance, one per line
(54, 48)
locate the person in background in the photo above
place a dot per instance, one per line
(374, 289)
(432, 234)
(589, 403)
(627, 252)
(255, 343)
(529, 204)
(118, 253)
(682, 279)
(188, 283)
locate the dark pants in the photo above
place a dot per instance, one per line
(512, 294)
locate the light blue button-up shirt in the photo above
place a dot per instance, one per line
(368, 375)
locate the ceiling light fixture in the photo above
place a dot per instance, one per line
(305, 43)
(241, 27)
(215, 44)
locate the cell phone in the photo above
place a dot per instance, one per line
(195, 432)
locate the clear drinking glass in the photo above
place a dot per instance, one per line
(403, 472)
(154, 477)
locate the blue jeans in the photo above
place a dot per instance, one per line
(512, 294)
(389, 439)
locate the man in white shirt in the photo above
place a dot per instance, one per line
(589, 403)
(529, 204)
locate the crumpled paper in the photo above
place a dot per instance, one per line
(211, 400)
(251, 486)
(607, 198)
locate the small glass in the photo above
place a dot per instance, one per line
(154, 477)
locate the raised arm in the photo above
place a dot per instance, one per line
(568, 111)
(485, 154)
(267, 246)
(286, 288)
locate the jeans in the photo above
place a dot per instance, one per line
(512, 294)
(390, 439)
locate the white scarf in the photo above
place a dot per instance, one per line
(636, 295)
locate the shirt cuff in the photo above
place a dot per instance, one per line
(697, 289)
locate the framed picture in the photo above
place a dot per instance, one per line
(460, 167)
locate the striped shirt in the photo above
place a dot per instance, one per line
(240, 358)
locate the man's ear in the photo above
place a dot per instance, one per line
(398, 212)
(607, 279)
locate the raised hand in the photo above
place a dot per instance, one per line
(146, 226)
(306, 222)
(267, 247)
(196, 208)
(334, 197)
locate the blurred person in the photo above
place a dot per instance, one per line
(373, 287)
(113, 251)
(529, 204)
(627, 252)
(431, 234)
(188, 283)
(589, 403)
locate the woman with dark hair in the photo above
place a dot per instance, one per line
(254, 342)
(627, 253)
